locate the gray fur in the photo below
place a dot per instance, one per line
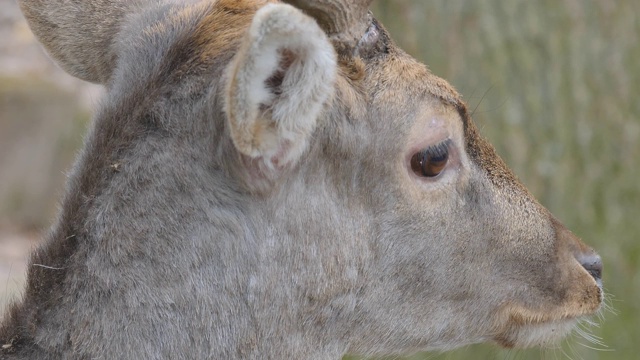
(164, 249)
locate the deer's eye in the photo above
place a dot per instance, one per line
(431, 161)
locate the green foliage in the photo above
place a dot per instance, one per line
(554, 87)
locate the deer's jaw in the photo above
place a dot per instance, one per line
(521, 326)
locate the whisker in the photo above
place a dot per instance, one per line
(607, 304)
(482, 98)
(593, 347)
(567, 355)
(583, 329)
(573, 351)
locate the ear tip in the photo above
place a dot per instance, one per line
(279, 18)
(277, 10)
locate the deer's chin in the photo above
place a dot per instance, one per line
(536, 334)
(520, 326)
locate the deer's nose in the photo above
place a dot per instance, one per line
(589, 259)
(593, 264)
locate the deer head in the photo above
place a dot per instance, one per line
(272, 180)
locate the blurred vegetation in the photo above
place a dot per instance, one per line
(554, 85)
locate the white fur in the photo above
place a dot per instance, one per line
(280, 134)
(544, 334)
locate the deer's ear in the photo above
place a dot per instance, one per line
(277, 84)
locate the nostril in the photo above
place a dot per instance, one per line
(593, 264)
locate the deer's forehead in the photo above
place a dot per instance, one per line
(408, 92)
(398, 72)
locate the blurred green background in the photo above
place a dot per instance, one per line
(553, 85)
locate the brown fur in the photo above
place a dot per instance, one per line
(218, 31)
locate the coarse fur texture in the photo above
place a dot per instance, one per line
(246, 192)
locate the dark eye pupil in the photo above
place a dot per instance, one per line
(430, 162)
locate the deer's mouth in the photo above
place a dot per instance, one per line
(524, 328)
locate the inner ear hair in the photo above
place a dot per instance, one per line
(274, 83)
(277, 84)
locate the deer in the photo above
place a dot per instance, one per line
(279, 180)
